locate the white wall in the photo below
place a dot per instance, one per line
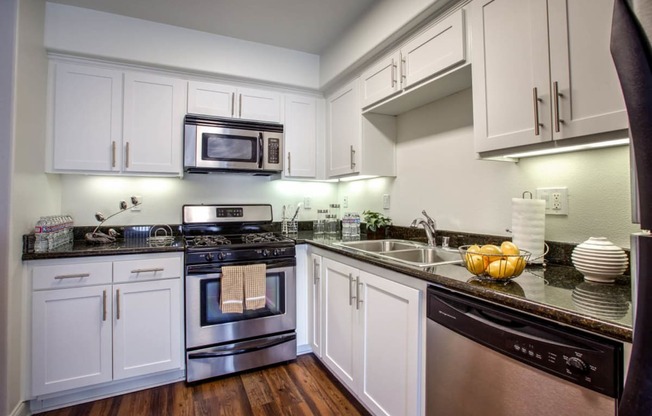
(8, 20)
(438, 171)
(98, 34)
(82, 196)
(33, 193)
(385, 21)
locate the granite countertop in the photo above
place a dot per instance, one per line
(82, 248)
(558, 293)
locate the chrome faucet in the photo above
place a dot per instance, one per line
(429, 225)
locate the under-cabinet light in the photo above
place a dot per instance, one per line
(357, 178)
(568, 149)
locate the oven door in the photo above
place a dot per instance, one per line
(226, 148)
(207, 325)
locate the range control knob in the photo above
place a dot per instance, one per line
(275, 252)
(265, 252)
(209, 256)
(576, 364)
(220, 256)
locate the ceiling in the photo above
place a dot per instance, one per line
(304, 25)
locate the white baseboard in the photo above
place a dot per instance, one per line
(303, 349)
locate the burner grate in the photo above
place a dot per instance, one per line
(260, 238)
(210, 240)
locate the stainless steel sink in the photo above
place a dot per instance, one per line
(406, 252)
(425, 257)
(377, 246)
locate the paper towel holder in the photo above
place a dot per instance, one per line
(527, 192)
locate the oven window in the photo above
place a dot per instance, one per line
(210, 301)
(228, 147)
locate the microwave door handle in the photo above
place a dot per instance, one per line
(260, 150)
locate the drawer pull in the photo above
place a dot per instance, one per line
(152, 270)
(117, 304)
(104, 305)
(72, 276)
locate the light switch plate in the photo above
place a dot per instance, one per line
(385, 201)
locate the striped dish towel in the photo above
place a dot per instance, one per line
(255, 277)
(231, 295)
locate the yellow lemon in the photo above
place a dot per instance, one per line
(500, 269)
(474, 263)
(518, 263)
(508, 247)
(491, 253)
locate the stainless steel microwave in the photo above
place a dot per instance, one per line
(215, 144)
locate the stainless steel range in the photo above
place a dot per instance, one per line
(219, 343)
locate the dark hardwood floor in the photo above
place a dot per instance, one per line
(301, 387)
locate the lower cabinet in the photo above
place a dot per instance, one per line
(87, 329)
(370, 328)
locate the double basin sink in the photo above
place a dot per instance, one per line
(406, 252)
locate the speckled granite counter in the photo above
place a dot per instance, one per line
(558, 293)
(82, 248)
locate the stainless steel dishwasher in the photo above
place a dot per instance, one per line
(484, 359)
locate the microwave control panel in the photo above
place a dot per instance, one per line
(273, 151)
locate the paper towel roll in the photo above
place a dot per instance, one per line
(529, 226)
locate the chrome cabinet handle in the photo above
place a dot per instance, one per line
(113, 154)
(152, 270)
(289, 164)
(394, 80)
(556, 95)
(351, 297)
(104, 305)
(403, 71)
(239, 105)
(232, 104)
(358, 299)
(127, 155)
(536, 100)
(315, 272)
(117, 303)
(352, 158)
(72, 276)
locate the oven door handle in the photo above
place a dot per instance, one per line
(261, 148)
(213, 269)
(243, 347)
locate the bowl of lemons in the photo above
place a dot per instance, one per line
(493, 262)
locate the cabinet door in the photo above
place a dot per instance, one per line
(510, 61)
(211, 99)
(589, 97)
(71, 338)
(339, 319)
(438, 48)
(153, 114)
(147, 327)
(314, 303)
(87, 118)
(389, 342)
(381, 80)
(344, 131)
(259, 105)
(300, 133)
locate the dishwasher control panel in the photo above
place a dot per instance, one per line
(586, 360)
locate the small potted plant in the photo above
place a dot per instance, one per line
(376, 224)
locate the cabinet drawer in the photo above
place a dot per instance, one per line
(147, 269)
(71, 275)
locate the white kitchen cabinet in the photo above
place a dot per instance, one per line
(86, 118)
(314, 303)
(228, 101)
(358, 144)
(108, 121)
(371, 337)
(300, 132)
(147, 327)
(542, 71)
(426, 55)
(154, 107)
(97, 320)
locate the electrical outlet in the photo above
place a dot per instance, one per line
(385, 201)
(556, 200)
(137, 208)
(345, 201)
(307, 201)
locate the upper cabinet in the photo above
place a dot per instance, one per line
(229, 101)
(96, 128)
(357, 144)
(542, 71)
(419, 71)
(301, 134)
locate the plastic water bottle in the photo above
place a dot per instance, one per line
(346, 226)
(40, 234)
(355, 232)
